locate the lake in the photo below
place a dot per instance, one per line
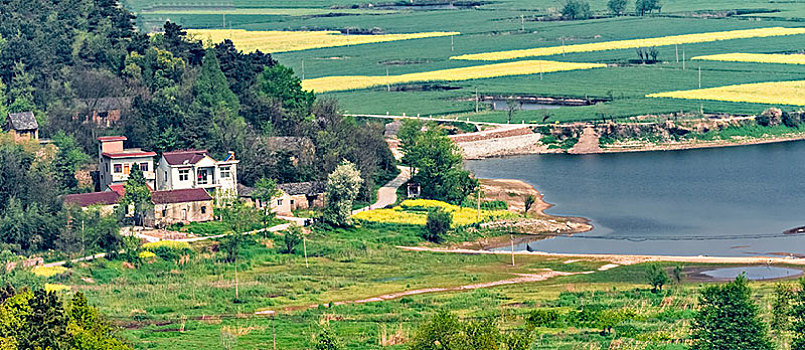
(733, 201)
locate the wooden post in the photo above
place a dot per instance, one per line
(304, 246)
(479, 203)
(511, 238)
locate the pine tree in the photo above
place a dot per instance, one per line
(728, 319)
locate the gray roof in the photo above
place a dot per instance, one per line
(105, 104)
(308, 188)
(22, 121)
(290, 143)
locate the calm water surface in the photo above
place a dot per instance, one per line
(754, 273)
(731, 201)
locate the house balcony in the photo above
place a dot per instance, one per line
(121, 177)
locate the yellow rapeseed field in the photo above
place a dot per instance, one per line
(414, 212)
(177, 245)
(283, 41)
(49, 271)
(783, 92)
(633, 43)
(55, 287)
(754, 57)
(352, 82)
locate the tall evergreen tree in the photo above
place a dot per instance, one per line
(728, 319)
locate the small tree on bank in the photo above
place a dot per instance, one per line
(528, 203)
(657, 277)
(728, 319)
(439, 221)
(343, 186)
(137, 197)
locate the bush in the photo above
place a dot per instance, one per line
(544, 318)
(292, 238)
(438, 223)
(169, 250)
(576, 9)
(769, 117)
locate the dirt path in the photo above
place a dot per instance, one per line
(522, 278)
(622, 259)
(588, 143)
(387, 195)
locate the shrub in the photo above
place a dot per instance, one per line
(169, 250)
(657, 277)
(439, 221)
(544, 318)
(292, 238)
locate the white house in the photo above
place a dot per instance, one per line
(115, 162)
(197, 169)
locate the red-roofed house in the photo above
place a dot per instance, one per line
(106, 201)
(115, 162)
(197, 169)
(187, 205)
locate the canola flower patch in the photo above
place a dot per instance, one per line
(754, 57)
(783, 92)
(175, 245)
(49, 271)
(415, 212)
(633, 43)
(55, 287)
(284, 41)
(353, 82)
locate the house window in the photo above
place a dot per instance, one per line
(118, 168)
(291, 201)
(225, 172)
(204, 209)
(202, 176)
(279, 201)
(126, 169)
(164, 212)
(144, 166)
(184, 174)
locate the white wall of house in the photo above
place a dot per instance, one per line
(116, 170)
(222, 177)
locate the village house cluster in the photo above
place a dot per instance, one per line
(186, 185)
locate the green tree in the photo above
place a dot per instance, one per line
(278, 83)
(343, 185)
(576, 9)
(444, 331)
(438, 222)
(265, 190)
(781, 307)
(617, 7)
(528, 203)
(292, 237)
(438, 164)
(728, 319)
(67, 161)
(798, 311)
(657, 277)
(137, 200)
(326, 340)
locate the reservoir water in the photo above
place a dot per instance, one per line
(733, 201)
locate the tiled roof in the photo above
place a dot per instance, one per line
(112, 138)
(180, 196)
(129, 154)
(297, 188)
(88, 199)
(22, 121)
(245, 191)
(184, 157)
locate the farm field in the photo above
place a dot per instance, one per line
(754, 57)
(789, 92)
(356, 74)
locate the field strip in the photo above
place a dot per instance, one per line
(755, 58)
(522, 278)
(783, 92)
(627, 259)
(268, 11)
(352, 82)
(633, 43)
(283, 41)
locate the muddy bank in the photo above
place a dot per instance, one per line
(536, 225)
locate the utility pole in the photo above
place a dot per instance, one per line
(700, 77)
(303, 69)
(479, 204)
(82, 237)
(511, 239)
(224, 21)
(683, 58)
(476, 100)
(274, 330)
(676, 49)
(237, 294)
(563, 46)
(388, 85)
(304, 246)
(452, 46)
(522, 23)
(540, 70)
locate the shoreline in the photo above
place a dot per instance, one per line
(519, 150)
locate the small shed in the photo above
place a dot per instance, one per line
(22, 125)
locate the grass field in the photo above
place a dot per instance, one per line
(780, 93)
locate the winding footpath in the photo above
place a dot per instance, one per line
(387, 195)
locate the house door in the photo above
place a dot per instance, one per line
(184, 214)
